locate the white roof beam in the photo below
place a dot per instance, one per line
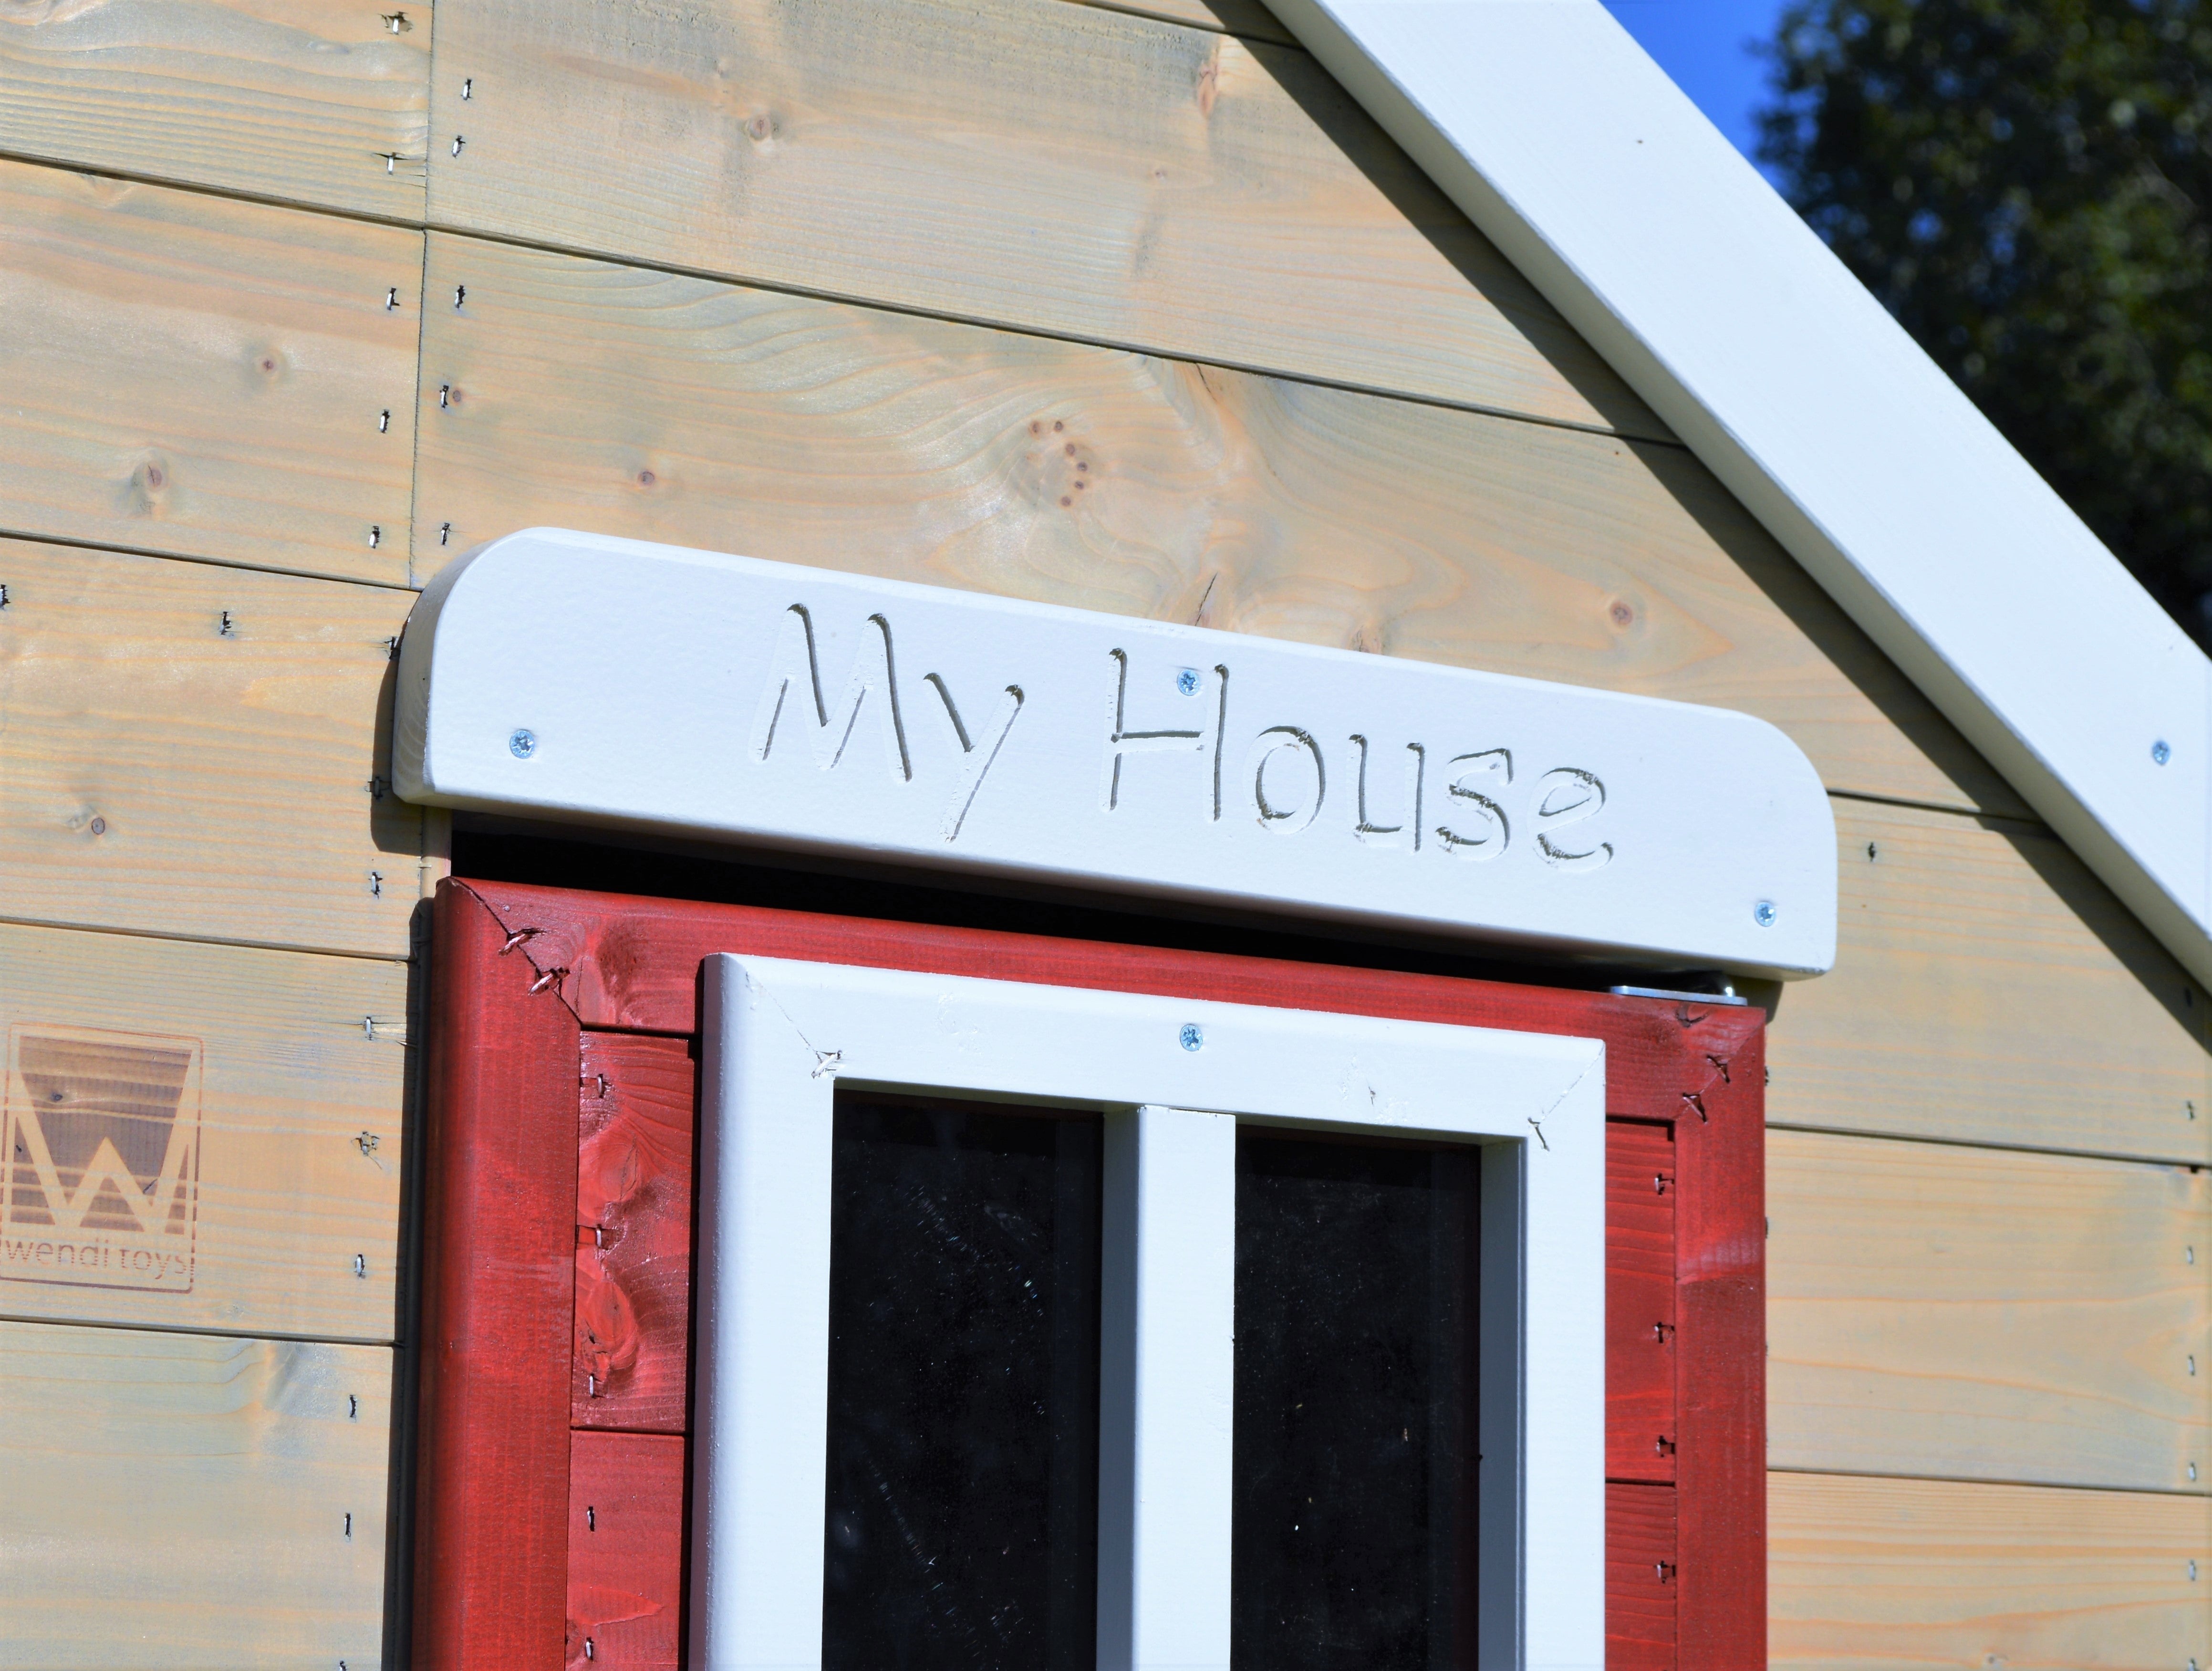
(1639, 222)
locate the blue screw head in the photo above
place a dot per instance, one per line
(522, 744)
(1764, 914)
(1186, 681)
(1192, 1038)
(2159, 753)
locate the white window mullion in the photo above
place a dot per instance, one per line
(1166, 1356)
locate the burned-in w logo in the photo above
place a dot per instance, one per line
(100, 1177)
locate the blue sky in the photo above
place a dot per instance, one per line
(1700, 43)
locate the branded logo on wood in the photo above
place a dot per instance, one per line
(99, 1183)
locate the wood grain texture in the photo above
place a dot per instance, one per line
(1905, 1575)
(1640, 1578)
(1068, 169)
(1988, 989)
(181, 1501)
(1249, 18)
(634, 1231)
(1974, 1314)
(585, 395)
(300, 1146)
(491, 1544)
(625, 1550)
(1640, 1185)
(1720, 1302)
(321, 101)
(190, 374)
(160, 773)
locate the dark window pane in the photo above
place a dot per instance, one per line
(963, 1390)
(1354, 1516)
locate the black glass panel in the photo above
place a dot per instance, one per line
(1356, 1307)
(963, 1390)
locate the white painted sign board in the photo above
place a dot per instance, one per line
(607, 681)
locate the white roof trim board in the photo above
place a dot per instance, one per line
(1576, 155)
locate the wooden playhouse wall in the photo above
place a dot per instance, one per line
(1124, 307)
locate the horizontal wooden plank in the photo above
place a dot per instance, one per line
(196, 750)
(1919, 1576)
(286, 1128)
(1249, 18)
(190, 1501)
(322, 101)
(587, 395)
(1941, 1310)
(261, 349)
(1987, 988)
(1068, 169)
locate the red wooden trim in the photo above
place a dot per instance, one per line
(1640, 1324)
(491, 1552)
(634, 1234)
(1689, 1070)
(1641, 1623)
(1720, 1231)
(625, 1536)
(633, 965)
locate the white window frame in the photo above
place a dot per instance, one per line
(779, 1038)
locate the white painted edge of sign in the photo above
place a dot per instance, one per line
(1547, 122)
(779, 1038)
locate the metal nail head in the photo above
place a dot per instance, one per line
(1186, 681)
(2161, 752)
(522, 744)
(1764, 914)
(1192, 1037)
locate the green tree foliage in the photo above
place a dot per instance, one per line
(2027, 186)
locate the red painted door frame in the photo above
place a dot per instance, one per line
(556, 1309)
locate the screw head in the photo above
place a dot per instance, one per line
(522, 744)
(1186, 681)
(2160, 752)
(1764, 914)
(1191, 1037)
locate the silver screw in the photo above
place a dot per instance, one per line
(1191, 1036)
(522, 744)
(361, 1265)
(1186, 681)
(1764, 914)
(2160, 752)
